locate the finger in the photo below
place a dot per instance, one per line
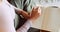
(36, 9)
(33, 8)
(39, 10)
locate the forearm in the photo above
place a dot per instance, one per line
(25, 27)
(25, 14)
(22, 12)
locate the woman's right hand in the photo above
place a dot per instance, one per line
(36, 12)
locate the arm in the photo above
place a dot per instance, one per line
(23, 13)
(20, 11)
(25, 27)
(28, 24)
(35, 13)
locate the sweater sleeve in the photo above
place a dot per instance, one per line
(25, 27)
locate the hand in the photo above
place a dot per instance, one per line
(36, 12)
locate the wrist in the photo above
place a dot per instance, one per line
(30, 21)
